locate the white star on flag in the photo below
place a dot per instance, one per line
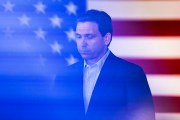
(8, 6)
(24, 20)
(40, 33)
(71, 60)
(71, 8)
(40, 7)
(56, 21)
(70, 34)
(56, 47)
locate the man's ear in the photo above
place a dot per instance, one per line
(107, 38)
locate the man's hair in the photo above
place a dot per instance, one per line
(102, 19)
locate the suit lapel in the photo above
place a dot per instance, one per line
(102, 82)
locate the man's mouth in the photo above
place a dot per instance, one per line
(84, 52)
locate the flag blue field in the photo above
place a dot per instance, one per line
(37, 36)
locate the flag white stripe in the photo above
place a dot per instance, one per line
(138, 9)
(146, 47)
(164, 85)
(167, 116)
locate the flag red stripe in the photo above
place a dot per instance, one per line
(158, 66)
(146, 27)
(164, 104)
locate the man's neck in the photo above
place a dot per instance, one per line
(94, 61)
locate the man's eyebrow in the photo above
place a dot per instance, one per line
(89, 34)
(84, 34)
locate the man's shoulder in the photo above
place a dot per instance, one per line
(121, 62)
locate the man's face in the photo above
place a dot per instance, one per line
(90, 43)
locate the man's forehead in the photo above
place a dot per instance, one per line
(89, 27)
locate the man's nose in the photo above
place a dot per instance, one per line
(83, 42)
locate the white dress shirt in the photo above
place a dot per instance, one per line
(91, 73)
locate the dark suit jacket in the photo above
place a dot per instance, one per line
(121, 93)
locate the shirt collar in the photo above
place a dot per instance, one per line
(100, 62)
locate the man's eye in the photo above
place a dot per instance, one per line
(90, 36)
(78, 36)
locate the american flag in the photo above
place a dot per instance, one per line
(147, 32)
(36, 42)
(37, 37)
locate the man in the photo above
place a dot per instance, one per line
(103, 86)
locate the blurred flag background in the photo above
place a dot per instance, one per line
(37, 41)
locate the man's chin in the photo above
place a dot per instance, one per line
(85, 56)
